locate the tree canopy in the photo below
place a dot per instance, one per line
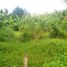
(18, 11)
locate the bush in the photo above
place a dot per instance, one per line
(25, 36)
(16, 28)
(6, 34)
(57, 32)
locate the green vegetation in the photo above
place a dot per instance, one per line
(43, 38)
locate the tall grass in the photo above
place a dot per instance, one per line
(41, 53)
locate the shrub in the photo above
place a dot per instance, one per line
(25, 36)
(57, 32)
(16, 28)
(6, 34)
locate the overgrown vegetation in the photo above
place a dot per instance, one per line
(42, 38)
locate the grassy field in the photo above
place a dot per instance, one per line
(41, 53)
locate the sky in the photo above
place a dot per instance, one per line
(33, 6)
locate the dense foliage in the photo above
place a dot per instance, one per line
(36, 26)
(42, 37)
